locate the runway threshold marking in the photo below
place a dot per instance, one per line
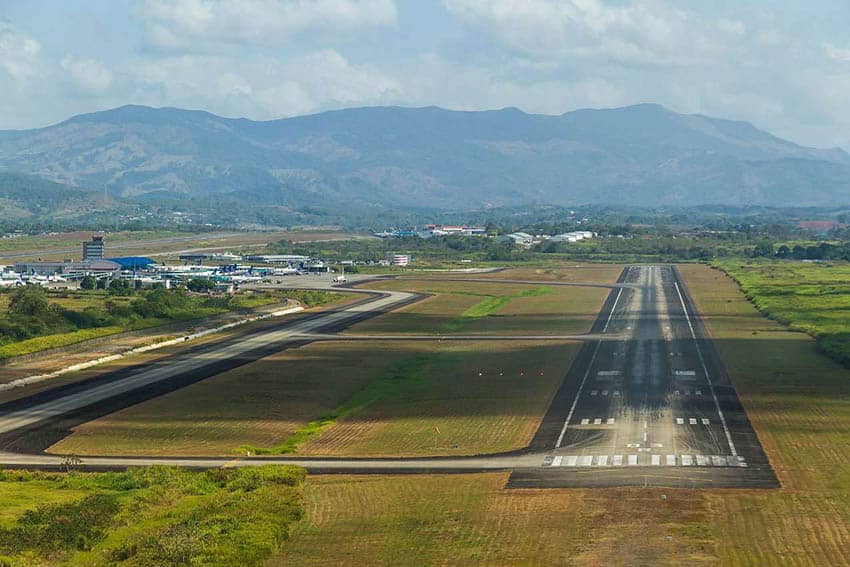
(705, 370)
(587, 372)
(643, 460)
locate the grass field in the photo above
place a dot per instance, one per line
(488, 308)
(374, 398)
(799, 403)
(810, 297)
(473, 520)
(147, 517)
(797, 399)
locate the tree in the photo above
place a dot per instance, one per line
(88, 282)
(30, 301)
(200, 285)
(119, 287)
(763, 249)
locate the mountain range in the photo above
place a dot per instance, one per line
(393, 157)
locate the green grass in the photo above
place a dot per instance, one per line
(494, 304)
(810, 297)
(38, 344)
(149, 516)
(491, 305)
(62, 333)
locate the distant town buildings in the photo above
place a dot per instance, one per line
(518, 238)
(401, 259)
(573, 236)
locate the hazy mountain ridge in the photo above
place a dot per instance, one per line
(392, 156)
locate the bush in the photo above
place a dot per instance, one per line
(200, 285)
(29, 301)
(62, 527)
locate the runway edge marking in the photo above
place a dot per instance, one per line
(705, 370)
(587, 371)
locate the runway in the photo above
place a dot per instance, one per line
(652, 406)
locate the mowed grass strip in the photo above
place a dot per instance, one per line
(482, 397)
(483, 307)
(472, 519)
(391, 384)
(259, 404)
(799, 403)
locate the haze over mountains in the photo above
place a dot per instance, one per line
(641, 155)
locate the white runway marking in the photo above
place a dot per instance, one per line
(597, 421)
(654, 460)
(585, 421)
(705, 421)
(692, 420)
(594, 392)
(604, 392)
(680, 421)
(610, 421)
(587, 372)
(707, 375)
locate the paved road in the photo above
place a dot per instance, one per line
(647, 401)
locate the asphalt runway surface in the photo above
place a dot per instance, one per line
(646, 402)
(654, 407)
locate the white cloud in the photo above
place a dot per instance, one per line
(837, 53)
(19, 53)
(203, 25)
(263, 87)
(87, 74)
(639, 31)
(734, 27)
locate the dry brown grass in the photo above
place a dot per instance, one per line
(799, 403)
(472, 519)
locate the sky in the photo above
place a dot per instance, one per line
(783, 65)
